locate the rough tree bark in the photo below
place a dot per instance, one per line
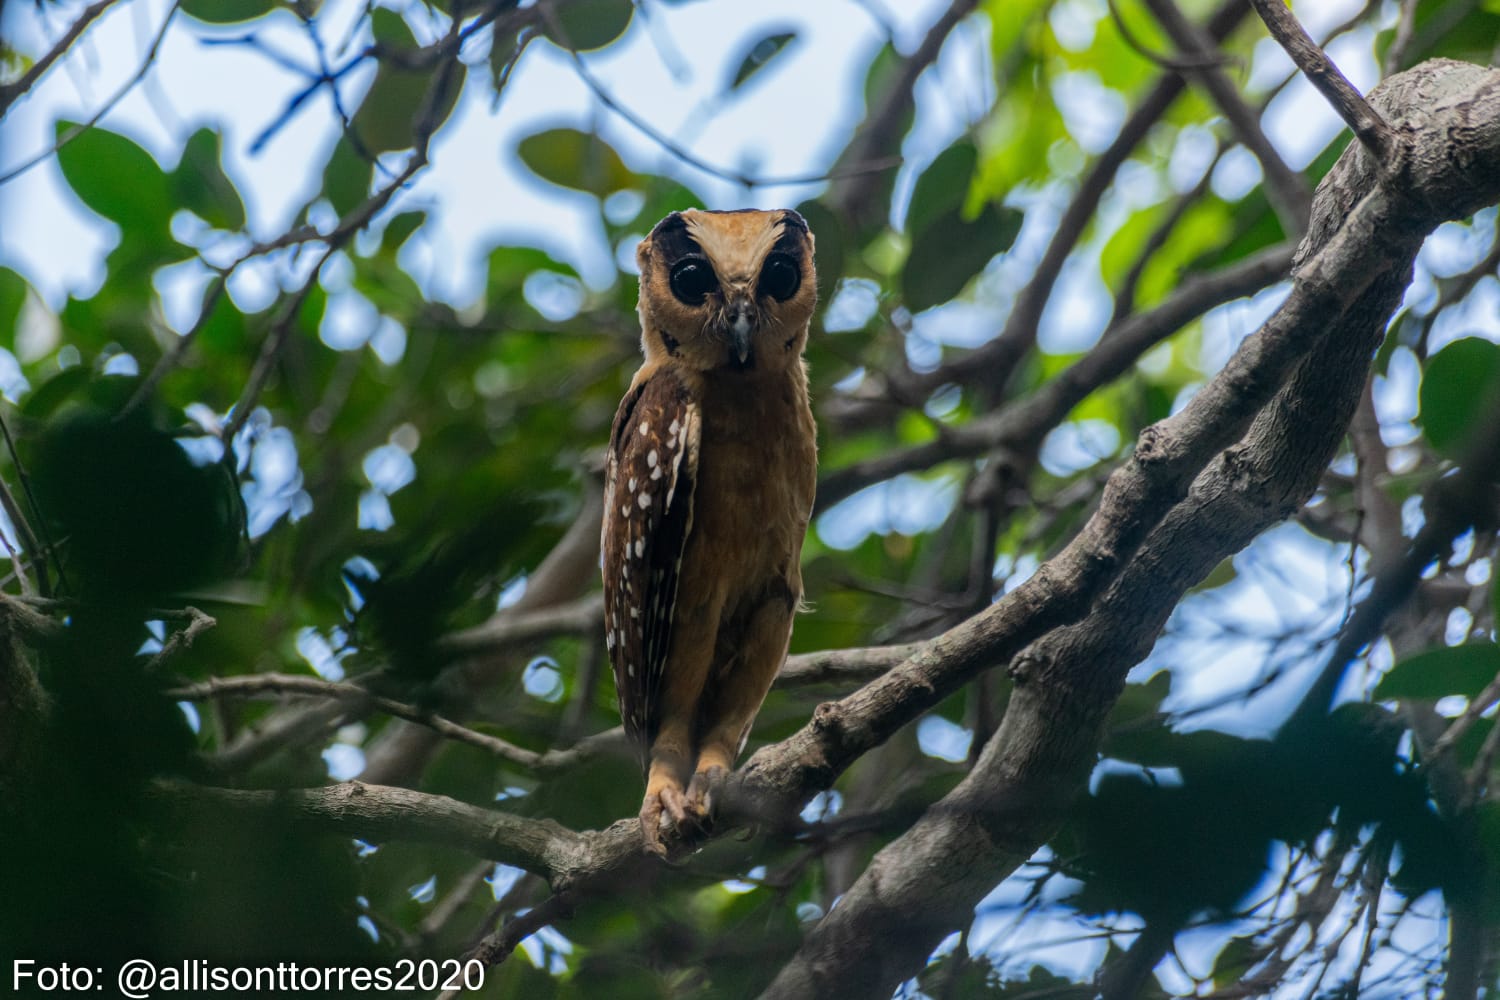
(1243, 454)
(1369, 220)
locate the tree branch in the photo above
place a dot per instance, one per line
(1021, 426)
(1371, 129)
(1286, 190)
(926, 883)
(12, 92)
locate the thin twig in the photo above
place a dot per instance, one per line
(499, 945)
(1187, 62)
(667, 143)
(255, 685)
(1287, 191)
(198, 623)
(1406, 29)
(12, 92)
(104, 109)
(38, 553)
(1371, 129)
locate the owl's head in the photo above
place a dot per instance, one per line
(729, 291)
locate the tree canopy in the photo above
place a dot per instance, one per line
(1151, 645)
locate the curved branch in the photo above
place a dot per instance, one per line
(926, 883)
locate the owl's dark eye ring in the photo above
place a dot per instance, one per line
(780, 277)
(692, 279)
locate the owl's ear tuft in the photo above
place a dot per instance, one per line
(792, 219)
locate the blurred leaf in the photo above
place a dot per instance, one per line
(1137, 705)
(13, 289)
(950, 245)
(1460, 385)
(346, 177)
(578, 160)
(947, 254)
(1235, 959)
(590, 24)
(227, 11)
(758, 55)
(828, 246)
(1024, 137)
(116, 178)
(1462, 670)
(399, 229)
(201, 185)
(943, 188)
(390, 29)
(664, 195)
(390, 113)
(163, 524)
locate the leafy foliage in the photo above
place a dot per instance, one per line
(358, 480)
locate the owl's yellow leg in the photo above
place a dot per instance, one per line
(737, 695)
(672, 752)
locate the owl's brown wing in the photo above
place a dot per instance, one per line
(648, 514)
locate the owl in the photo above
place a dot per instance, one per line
(708, 491)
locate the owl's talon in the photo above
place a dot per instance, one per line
(665, 812)
(651, 811)
(700, 793)
(676, 804)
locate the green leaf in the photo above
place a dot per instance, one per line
(400, 228)
(12, 296)
(227, 11)
(201, 185)
(391, 30)
(346, 177)
(590, 24)
(943, 187)
(949, 243)
(388, 116)
(1459, 387)
(828, 245)
(948, 253)
(1437, 673)
(758, 55)
(578, 160)
(116, 178)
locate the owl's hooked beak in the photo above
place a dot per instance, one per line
(741, 326)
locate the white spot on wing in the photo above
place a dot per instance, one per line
(640, 547)
(644, 500)
(651, 457)
(645, 428)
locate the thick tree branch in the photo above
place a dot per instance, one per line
(1367, 124)
(926, 883)
(379, 813)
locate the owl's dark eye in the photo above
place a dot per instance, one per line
(692, 280)
(780, 278)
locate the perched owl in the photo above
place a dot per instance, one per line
(709, 487)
